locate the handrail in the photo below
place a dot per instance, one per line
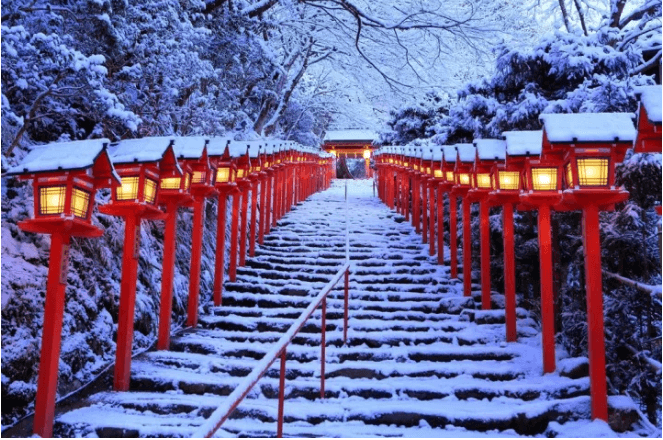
(231, 402)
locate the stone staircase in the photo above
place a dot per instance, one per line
(421, 360)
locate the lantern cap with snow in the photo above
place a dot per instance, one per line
(465, 155)
(65, 177)
(649, 119)
(219, 151)
(192, 154)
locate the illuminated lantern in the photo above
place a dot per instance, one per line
(434, 159)
(488, 153)
(140, 163)
(507, 184)
(226, 173)
(263, 200)
(65, 177)
(192, 154)
(466, 154)
(367, 162)
(243, 170)
(590, 146)
(649, 120)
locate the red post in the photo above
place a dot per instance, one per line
(485, 253)
(509, 274)
(279, 428)
(277, 194)
(596, 334)
(431, 223)
(424, 213)
(440, 226)
(263, 199)
(345, 306)
(234, 239)
(416, 220)
(453, 235)
(254, 208)
(547, 304)
(243, 225)
(268, 204)
(220, 250)
(51, 335)
(273, 197)
(406, 195)
(196, 253)
(322, 348)
(125, 324)
(165, 310)
(467, 248)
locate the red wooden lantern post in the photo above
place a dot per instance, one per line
(431, 164)
(250, 185)
(139, 164)
(463, 174)
(408, 184)
(260, 181)
(446, 182)
(424, 174)
(507, 184)
(65, 178)
(243, 171)
(226, 172)
(592, 145)
(415, 178)
(488, 153)
(649, 120)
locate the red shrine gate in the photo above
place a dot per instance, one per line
(354, 144)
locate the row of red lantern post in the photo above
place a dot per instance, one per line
(152, 179)
(568, 166)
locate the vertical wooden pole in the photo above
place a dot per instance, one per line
(509, 274)
(125, 324)
(49, 360)
(196, 254)
(263, 210)
(467, 248)
(596, 336)
(345, 305)
(234, 239)
(416, 220)
(440, 225)
(168, 268)
(547, 303)
(220, 249)
(484, 219)
(322, 348)
(268, 204)
(279, 427)
(243, 225)
(424, 211)
(431, 222)
(254, 209)
(453, 235)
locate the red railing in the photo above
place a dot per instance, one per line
(235, 398)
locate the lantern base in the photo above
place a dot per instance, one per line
(604, 199)
(72, 226)
(127, 209)
(177, 199)
(504, 197)
(460, 191)
(536, 199)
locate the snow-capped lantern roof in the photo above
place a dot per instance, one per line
(64, 156)
(588, 127)
(523, 143)
(490, 149)
(217, 146)
(466, 152)
(449, 152)
(190, 147)
(237, 149)
(145, 150)
(437, 152)
(357, 135)
(427, 153)
(650, 98)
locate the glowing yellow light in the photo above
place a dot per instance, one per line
(267, 164)
(544, 179)
(450, 176)
(171, 182)
(240, 173)
(150, 191)
(464, 179)
(223, 175)
(593, 172)
(333, 152)
(483, 180)
(428, 171)
(199, 176)
(187, 181)
(51, 199)
(438, 174)
(391, 160)
(509, 180)
(80, 200)
(569, 176)
(367, 154)
(128, 190)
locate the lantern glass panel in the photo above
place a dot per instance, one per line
(464, 179)
(187, 181)
(223, 175)
(128, 190)
(367, 154)
(171, 182)
(593, 172)
(483, 180)
(438, 174)
(428, 170)
(450, 176)
(406, 164)
(199, 176)
(241, 173)
(80, 201)
(569, 176)
(150, 190)
(509, 180)
(544, 179)
(51, 199)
